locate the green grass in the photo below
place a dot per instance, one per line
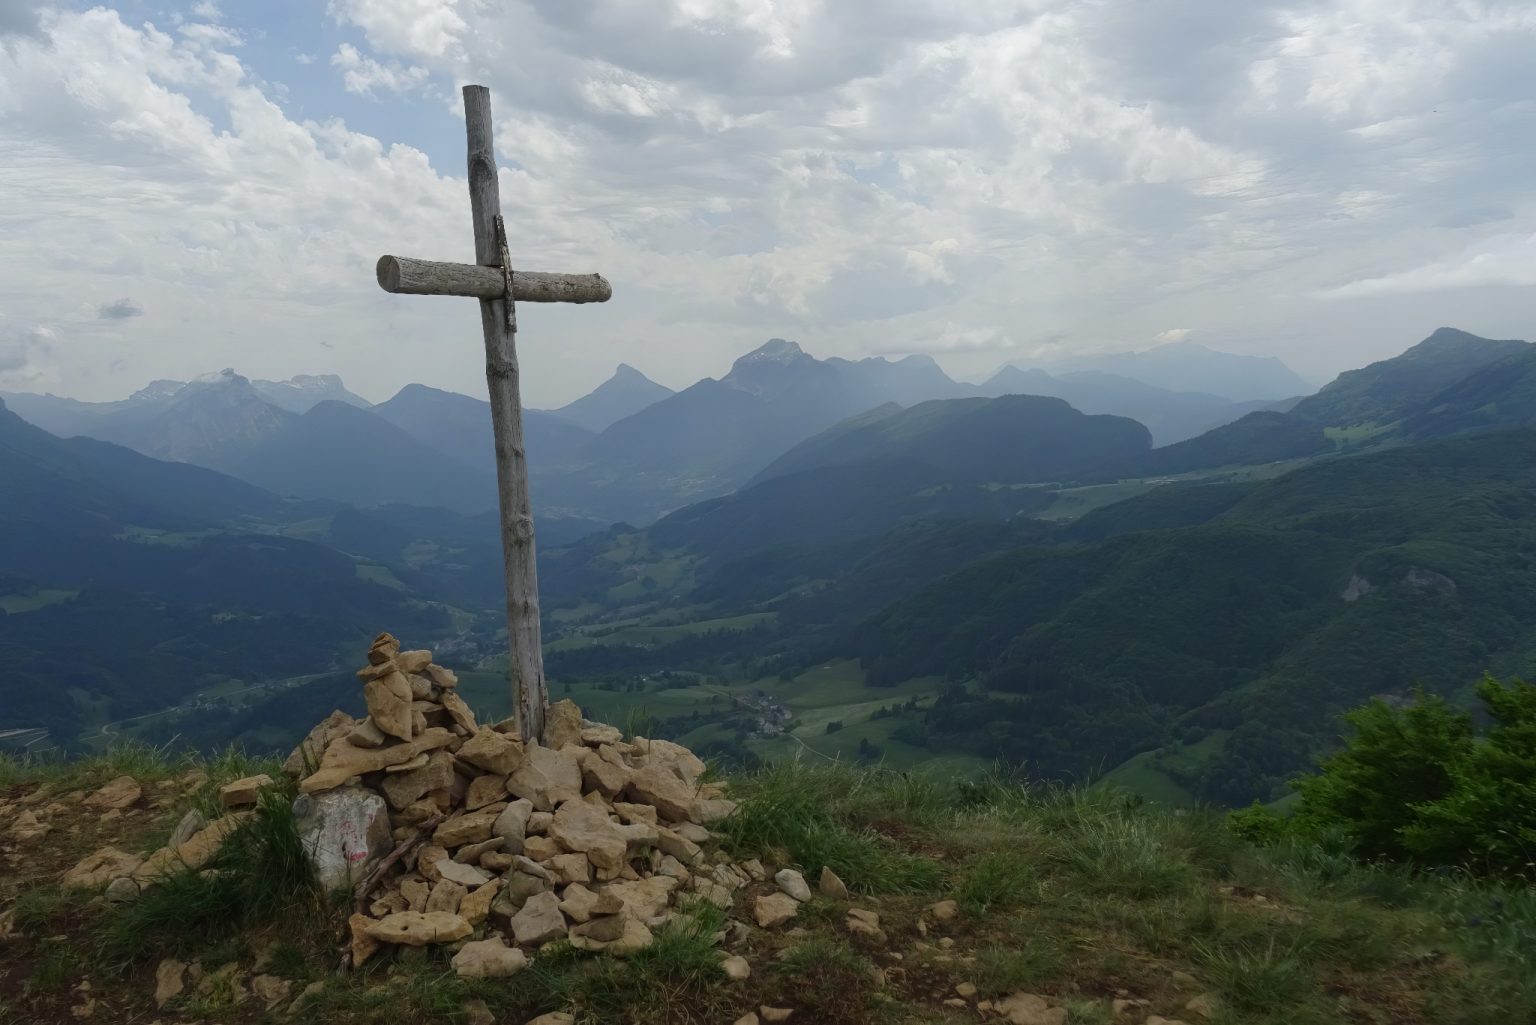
(826, 973)
(14, 604)
(37, 906)
(996, 880)
(377, 574)
(1077, 894)
(653, 632)
(1070, 503)
(1119, 852)
(259, 875)
(57, 966)
(1355, 434)
(1259, 978)
(1003, 970)
(128, 758)
(1140, 775)
(789, 813)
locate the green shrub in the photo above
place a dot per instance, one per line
(1260, 824)
(1416, 785)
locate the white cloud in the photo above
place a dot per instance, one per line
(365, 76)
(430, 28)
(902, 175)
(251, 240)
(1501, 260)
(1173, 334)
(24, 354)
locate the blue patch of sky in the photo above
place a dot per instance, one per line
(885, 175)
(287, 46)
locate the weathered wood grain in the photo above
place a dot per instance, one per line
(529, 691)
(403, 275)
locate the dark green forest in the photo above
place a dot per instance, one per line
(1203, 627)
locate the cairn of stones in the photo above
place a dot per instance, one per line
(447, 828)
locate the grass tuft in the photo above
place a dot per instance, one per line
(260, 874)
(684, 952)
(791, 813)
(827, 974)
(57, 965)
(1121, 851)
(997, 880)
(1003, 970)
(1259, 978)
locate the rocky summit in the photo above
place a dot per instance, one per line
(586, 877)
(445, 827)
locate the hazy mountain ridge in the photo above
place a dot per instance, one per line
(1386, 402)
(459, 426)
(713, 436)
(626, 393)
(631, 450)
(1187, 366)
(302, 392)
(1171, 416)
(1387, 389)
(1010, 439)
(1152, 624)
(158, 585)
(347, 454)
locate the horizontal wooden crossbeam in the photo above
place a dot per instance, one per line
(405, 276)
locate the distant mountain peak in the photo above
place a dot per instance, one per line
(774, 366)
(225, 376)
(775, 350)
(624, 394)
(315, 382)
(157, 391)
(1444, 339)
(1190, 366)
(301, 391)
(415, 388)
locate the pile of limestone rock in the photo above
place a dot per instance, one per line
(446, 827)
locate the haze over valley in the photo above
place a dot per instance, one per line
(1074, 571)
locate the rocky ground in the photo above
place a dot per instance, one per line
(420, 866)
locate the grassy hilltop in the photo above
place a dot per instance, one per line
(1108, 910)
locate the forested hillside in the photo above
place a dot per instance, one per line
(1231, 643)
(130, 585)
(1444, 385)
(951, 582)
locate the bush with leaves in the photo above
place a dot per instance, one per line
(1418, 785)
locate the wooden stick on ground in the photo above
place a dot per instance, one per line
(403, 848)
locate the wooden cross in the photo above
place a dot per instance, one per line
(491, 280)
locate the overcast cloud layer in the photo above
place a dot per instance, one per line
(184, 188)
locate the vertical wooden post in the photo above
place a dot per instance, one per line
(530, 695)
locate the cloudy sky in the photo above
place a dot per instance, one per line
(193, 185)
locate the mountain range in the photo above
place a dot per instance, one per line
(135, 582)
(1427, 391)
(624, 394)
(1037, 583)
(1187, 366)
(631, 450)
(1193, 636)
